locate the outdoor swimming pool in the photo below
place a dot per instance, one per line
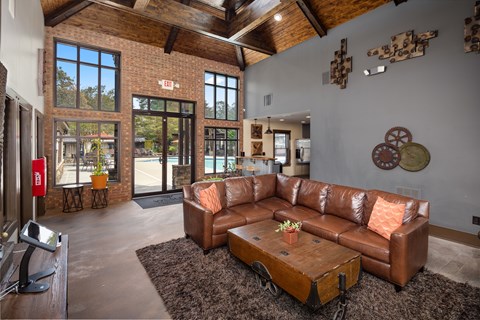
(208, 162)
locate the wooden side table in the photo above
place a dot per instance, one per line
(72, 197)
(99, 198)
(51, 304)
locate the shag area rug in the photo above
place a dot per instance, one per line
(219, 286)
(160, 200)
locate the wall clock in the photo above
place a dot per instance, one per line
(385, 156)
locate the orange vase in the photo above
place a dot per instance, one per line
(290, 237)
(99, 182)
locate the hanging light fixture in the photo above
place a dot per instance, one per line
(269, 131)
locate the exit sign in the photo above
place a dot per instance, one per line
(167, 84)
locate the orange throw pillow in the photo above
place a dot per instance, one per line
(210, 199)
(386, 217)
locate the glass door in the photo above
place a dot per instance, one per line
(147, 154)
(162, 154)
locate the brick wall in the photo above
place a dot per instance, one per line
(141, 68)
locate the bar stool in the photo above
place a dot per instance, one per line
(72, 197)
(252, 169)
(99, 198)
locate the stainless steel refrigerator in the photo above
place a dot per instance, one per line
(302, 151)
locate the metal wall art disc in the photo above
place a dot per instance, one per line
(414, 156)
(386, 156)
(398, 136)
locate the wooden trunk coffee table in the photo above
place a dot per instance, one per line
(313, 270)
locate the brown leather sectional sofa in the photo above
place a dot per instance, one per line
(333, 212)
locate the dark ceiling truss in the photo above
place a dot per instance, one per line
(397, 2)
(184, 17)
(240, 58)
(172, 36)
(65, 12)
(312, 17)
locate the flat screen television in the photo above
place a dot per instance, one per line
(39, 236)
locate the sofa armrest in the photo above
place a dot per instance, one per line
(198, 223)
(408, 250)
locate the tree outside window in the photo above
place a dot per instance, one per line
(221, 96)
(86, 78)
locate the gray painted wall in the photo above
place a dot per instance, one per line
(435, 96)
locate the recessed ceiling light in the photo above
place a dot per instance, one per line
(277, 17)
(308, 117)
(281, 120)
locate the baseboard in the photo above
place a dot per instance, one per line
(455, 236)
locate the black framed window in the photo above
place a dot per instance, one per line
(162, 105)
(74, 154)
(221, 96)
(221, 149)
(281, 146)
(86, 78)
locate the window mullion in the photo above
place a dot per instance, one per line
(99, 85)
(77, 103)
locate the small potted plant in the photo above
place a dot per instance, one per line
(289, 230)
(99, 175)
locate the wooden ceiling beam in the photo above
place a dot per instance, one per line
(254, 15)
(184, 17)
(172, 36)
(65, 12)
(140, 4)
(240, 58)
(397, 2)
(312, 17)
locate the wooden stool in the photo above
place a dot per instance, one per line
(252, 169)
(72, 197)
(99, 198)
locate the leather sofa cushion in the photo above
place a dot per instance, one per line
(197, 186)
(367, 243)
(252, 212)
(295, 214)
(273, 204)
(264, 186)
(239, 190)
(313, 194)
(227, 219)
(346, 202)
(287, 188)
(327, 226)
(411, 205)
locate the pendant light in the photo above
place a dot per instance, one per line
(269, 131)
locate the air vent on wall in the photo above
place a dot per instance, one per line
(409, 192)
(325, 78)
(267, 100)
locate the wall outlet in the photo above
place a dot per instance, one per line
(476, 220)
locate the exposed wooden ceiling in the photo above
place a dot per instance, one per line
(236, 32)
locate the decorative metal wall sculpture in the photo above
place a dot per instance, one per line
(341, 66)
(257, 148)
(256, 131)
(472, 31)
(404, 46)
(399, 149)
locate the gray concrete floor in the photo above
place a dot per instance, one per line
(106, 280)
